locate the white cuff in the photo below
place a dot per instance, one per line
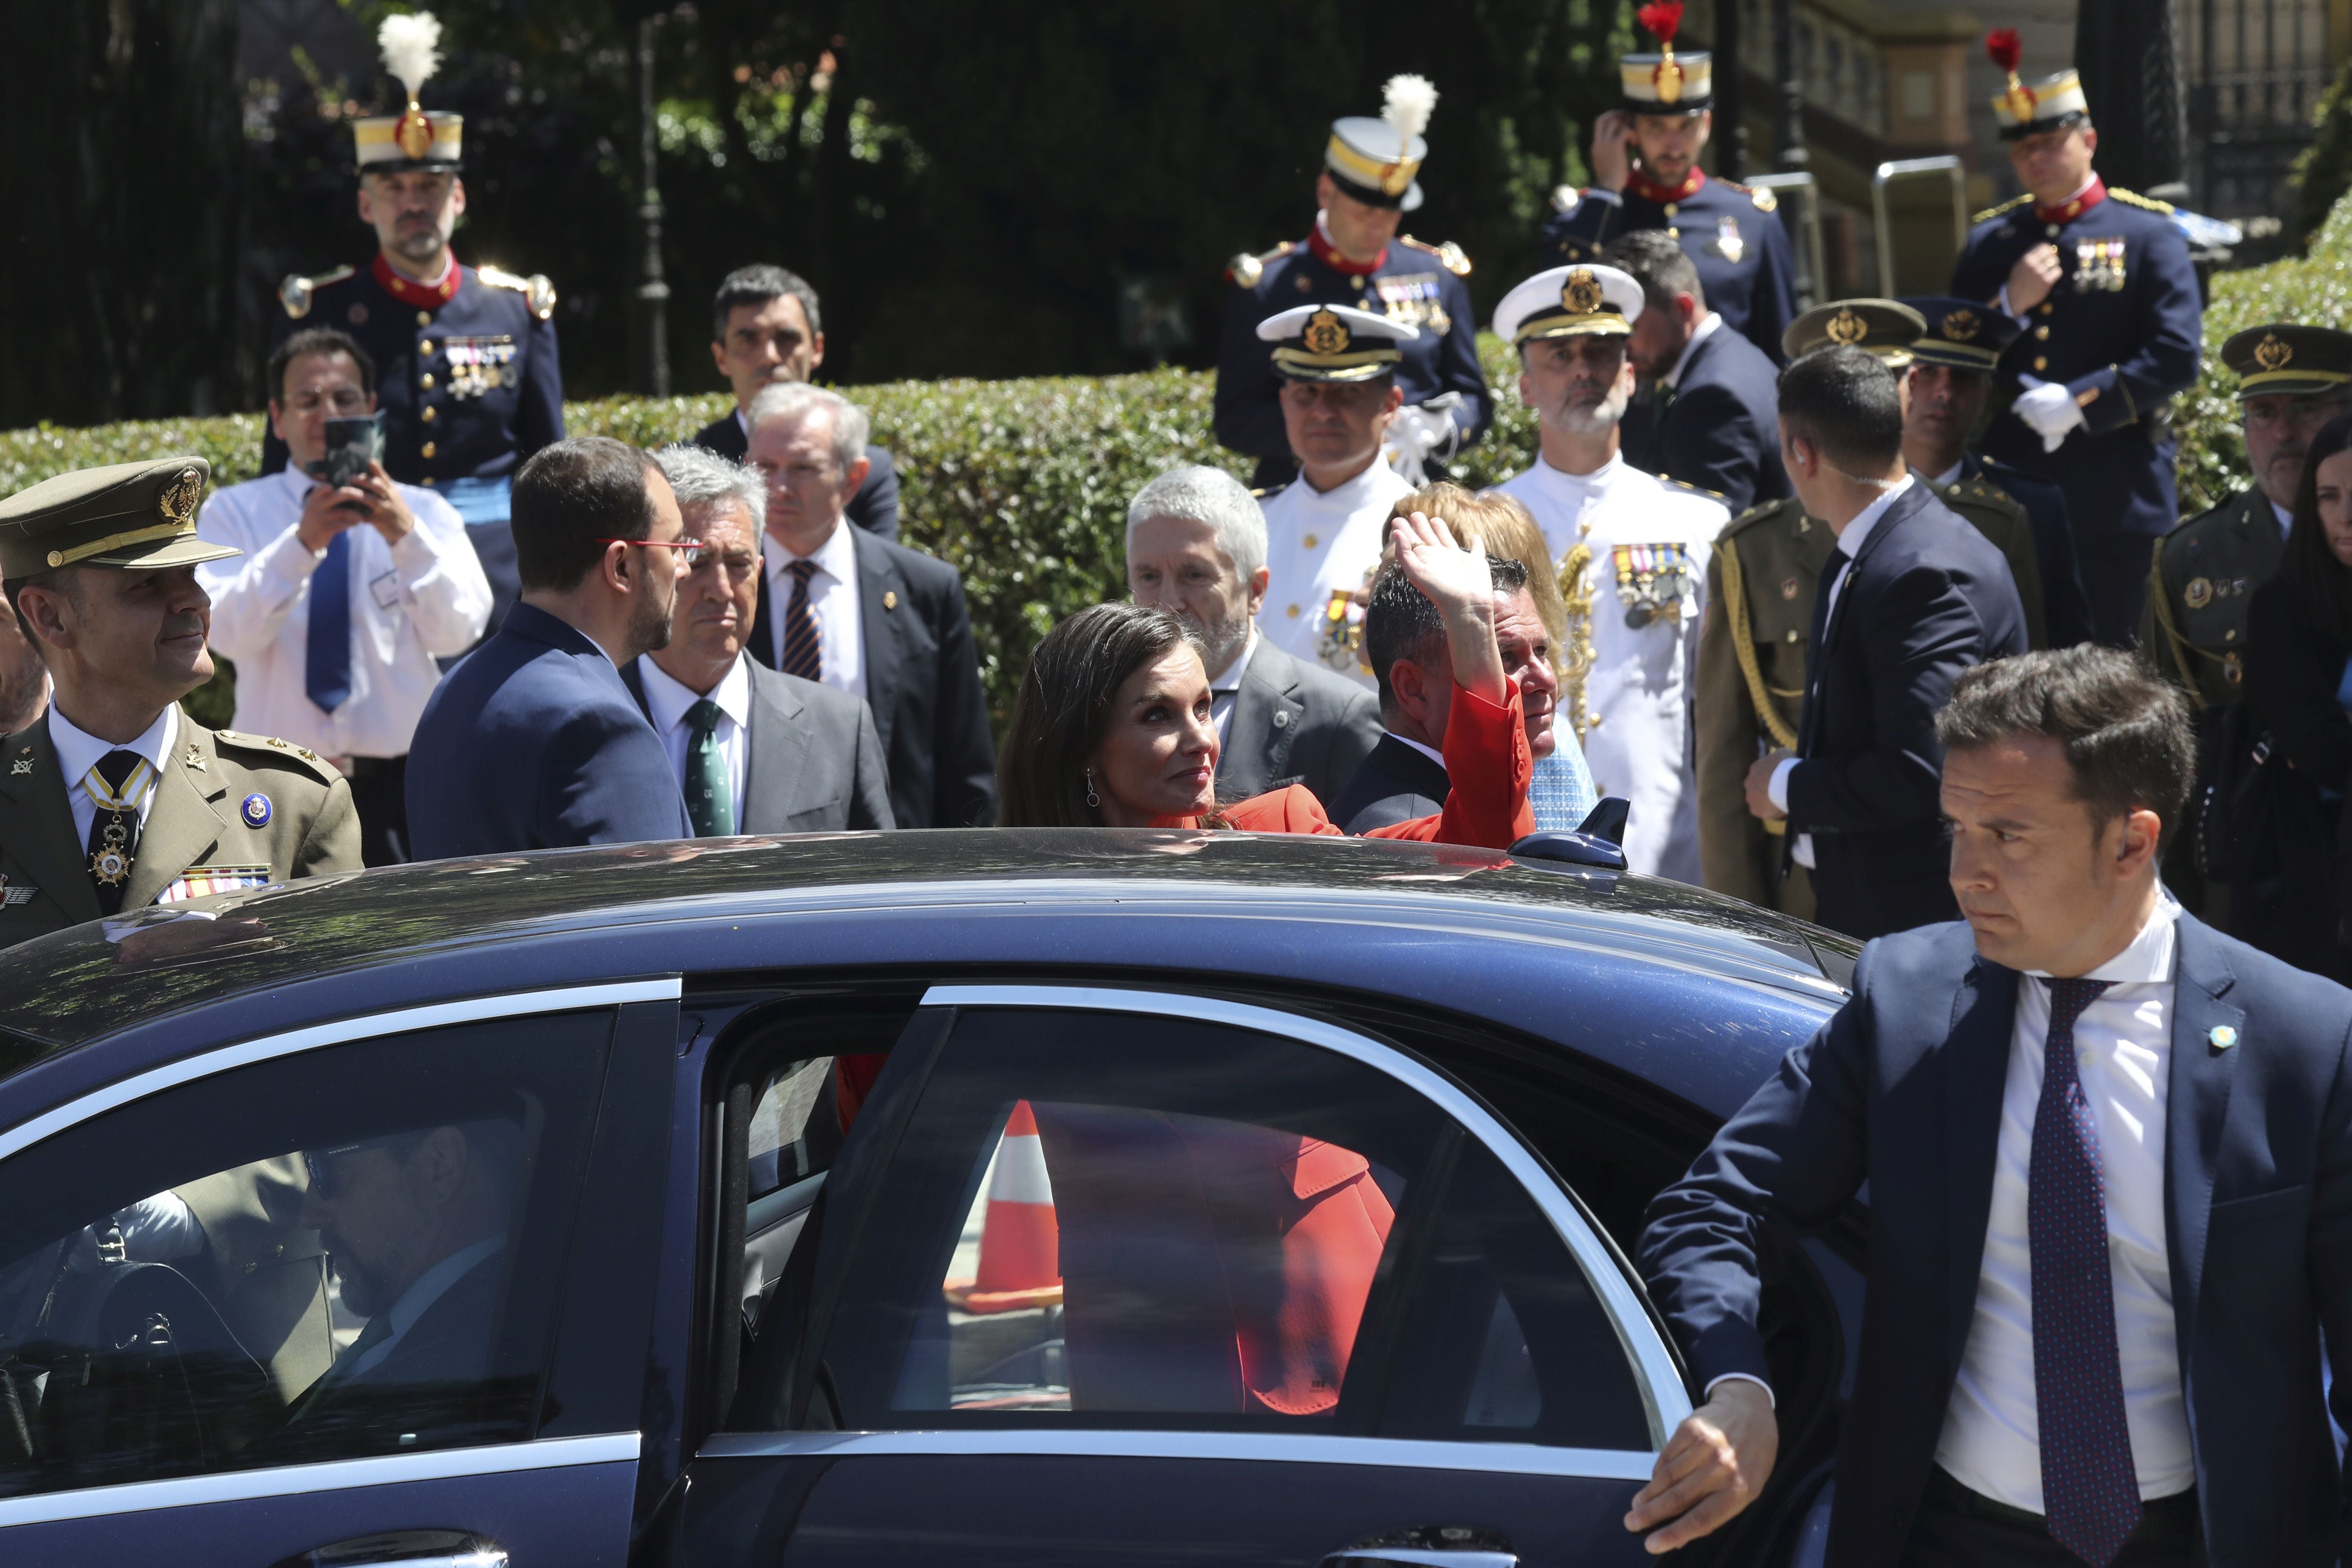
(1742, 1377)
(2021, 318)
(1776, 789)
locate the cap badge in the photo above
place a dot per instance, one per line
(177, 502)
(414, 134)
(1962, 325)
(254, 810)
(1326, 333)
(2199, 593)
(2271, 354)
(1845, 327)
(1669, 78)
(1581, 292)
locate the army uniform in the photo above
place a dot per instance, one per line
(224, 811)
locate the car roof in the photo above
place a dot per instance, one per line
(369, 941)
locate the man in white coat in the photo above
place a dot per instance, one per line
(1630, 550)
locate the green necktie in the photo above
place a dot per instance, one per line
(709, 796)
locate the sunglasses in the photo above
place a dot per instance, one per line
(692, 547)
(319, 1163)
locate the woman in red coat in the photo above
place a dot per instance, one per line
(1114, 726)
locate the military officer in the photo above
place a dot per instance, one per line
(1945, 395)
(1645, 175)
(468, 380)
(2100, 278)
(2291, 380)
(117, 800)
(1354, 257)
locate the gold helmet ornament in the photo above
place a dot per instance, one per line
(412, 139)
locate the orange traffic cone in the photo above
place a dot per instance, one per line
(1020, 1240)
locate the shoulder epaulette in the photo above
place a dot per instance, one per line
(1764, 200)
(2133, 198)
(1449, 254)
(296, 291)
(1984, 494)
(1565, 198)
(538, 293)
(1688, 488)
(1268, 490)
(285, 751)
(1246, 270)
(2010, 205)
(1758, 513)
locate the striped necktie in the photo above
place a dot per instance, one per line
(801, 656)
(119, 782)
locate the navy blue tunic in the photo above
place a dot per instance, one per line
(1732, 232)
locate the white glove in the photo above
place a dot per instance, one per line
(1417, 432)
(2048, 408)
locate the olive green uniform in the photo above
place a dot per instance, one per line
(266, 1274)
(2200, 586)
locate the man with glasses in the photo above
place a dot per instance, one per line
(345, 595)
(756, 750)
(534, 743)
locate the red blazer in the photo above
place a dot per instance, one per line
(1487, 756)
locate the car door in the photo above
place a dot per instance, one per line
(305, 1297)
(1147, 1277)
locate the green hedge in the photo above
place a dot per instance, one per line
(1022, 484)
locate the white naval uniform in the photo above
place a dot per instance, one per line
(1316, 541)
(1637, 696)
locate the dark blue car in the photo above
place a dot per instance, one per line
(989, 1197)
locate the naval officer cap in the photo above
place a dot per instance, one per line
(1887, 327)
(1334, 342)
(2025, 109)
(392, 144)
(1376, 160)
(1570, 302)
(1960, 333)
(1665, 82)
(129, 516)
(2290, 361)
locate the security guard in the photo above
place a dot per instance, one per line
(2292, 381)
(1760, 588)
(1646, 176)
(2101, 279)
(1355, 256)
(117, 800)
(1945, 395)
(466, 375)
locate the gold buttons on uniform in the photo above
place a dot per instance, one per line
(423, 318)
(426, 347)
(425, 450)
(425, 380)
(2040, 362)
(1310, 541)
(1672, 207)
(2041, 331)
(425, 480)
(430, 414)
(2047, 308)
(1292, 612)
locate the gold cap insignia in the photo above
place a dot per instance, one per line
(1845, 327)
(414, 134)
(1326, 333)
(2271, 354)
(177, 500)
(1581, 292)
(1962, 325)
(1669, 78)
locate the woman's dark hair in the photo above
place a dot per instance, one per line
(1064, 706)
(2322, 583)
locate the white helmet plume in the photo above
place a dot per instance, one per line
(412, 49)
(1406, 103)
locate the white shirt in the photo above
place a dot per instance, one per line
(1225, 689)
(1432, 753)
(78, 752)
(409, 602)
(1700, 334)
(1637, 696)
(1318, 542)
(667, 699)
(2286, 518)
(832, 600)
(429, 1287)
(1849, 545)
(2122, 1046)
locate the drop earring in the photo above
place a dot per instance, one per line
(1092, 798)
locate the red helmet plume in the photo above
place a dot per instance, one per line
(1663, 17)
(2003, 48)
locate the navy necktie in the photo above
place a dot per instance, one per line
(2090, 1489)
(802, 656)
(327, 656)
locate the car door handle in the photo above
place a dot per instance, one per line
(405, 1549)
(1450, 1546)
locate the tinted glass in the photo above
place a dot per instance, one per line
(346, 1252)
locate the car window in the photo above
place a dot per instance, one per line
(344, 1252)
(1113, 1218)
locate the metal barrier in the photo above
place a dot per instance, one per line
(1907, 170)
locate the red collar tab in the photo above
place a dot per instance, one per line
(2068, 211)
(424, 296)
(1328, 255)
(1650, 191)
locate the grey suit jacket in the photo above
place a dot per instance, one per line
(816, 764)
(1296, 723)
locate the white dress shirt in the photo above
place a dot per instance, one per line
(429, 1286)
(411, 602)
(832, 600)
(1639, 739)
(667, 700)
(2285, 519)
(78, 752)
(2123, 1048)
(1316, 541)
(1849, 545)
(1225, 689)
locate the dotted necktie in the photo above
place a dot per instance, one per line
(710, 793)
(802, 656)
(327, 646)
(2090, 1490)
(116, 785)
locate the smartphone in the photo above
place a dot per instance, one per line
(351, 445)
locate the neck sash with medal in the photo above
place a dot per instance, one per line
(114, 827)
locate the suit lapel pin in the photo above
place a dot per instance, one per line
(21, 765)
(195, 758)
(2222, 1037)
(889, 598)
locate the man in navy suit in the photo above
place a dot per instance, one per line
(2110, 1187)
(1706, 416)
(842, 607)
(1912, 596)
(533, 742)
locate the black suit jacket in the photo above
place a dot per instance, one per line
(922, 682)
(875, 507)
(1902, 1089)
(1395, 785)
(1719, 429)
(1928, 597)
(816, 762)
(1295, 724)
